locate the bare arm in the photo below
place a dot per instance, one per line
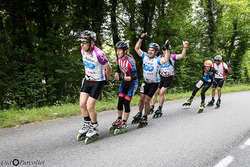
(166, 57)
(138, 45)
(108, 70)
(185, 44)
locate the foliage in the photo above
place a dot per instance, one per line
(40, 57)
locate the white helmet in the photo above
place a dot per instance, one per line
(217, 58)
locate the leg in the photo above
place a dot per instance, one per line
(127, 110)
(162, 93)
(213, 92)
(203, 91)
(83, 103)
(141, 102)
(147, 105)
(91, 109)
(219, 93)
(154, 99)
(120, 107)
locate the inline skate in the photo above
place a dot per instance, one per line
(143, 122)
(83, 131)
(136, 118)
(158, 113)
(92, 134)
(122, 128)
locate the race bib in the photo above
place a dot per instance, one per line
(199, 84)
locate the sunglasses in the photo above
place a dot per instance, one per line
(84, 42)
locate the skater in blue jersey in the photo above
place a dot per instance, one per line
(126, 73)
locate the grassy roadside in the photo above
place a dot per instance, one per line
(14, 117)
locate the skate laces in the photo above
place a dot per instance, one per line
(85, 125)
(121, 124)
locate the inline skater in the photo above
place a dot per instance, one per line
(126, 73)
(208, 73)
(167, 76)
(97, 72)
(151, 67)
(219, 80)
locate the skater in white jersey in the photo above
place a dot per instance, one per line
(151, 67)
(219, 80)
(97, 73)
(167, 76)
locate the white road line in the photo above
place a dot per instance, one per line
(225, 162)
(247, 142)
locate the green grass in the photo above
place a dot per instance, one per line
(14, 117)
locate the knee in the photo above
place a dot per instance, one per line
(147, 99)
(83, 105)
(219, 88)
(90, 107)
(162, 93)
(127, 106)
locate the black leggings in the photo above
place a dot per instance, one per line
(122, 101)
(203, 91)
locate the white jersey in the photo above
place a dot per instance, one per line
(94, 64)
(151, 68)
(168, 68)
(221, 69)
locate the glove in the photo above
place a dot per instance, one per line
(121, 77)
(166, 46)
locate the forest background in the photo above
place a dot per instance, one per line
(40, 58)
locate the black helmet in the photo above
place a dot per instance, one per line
(122, 45)
(89, 35)
(155, 46)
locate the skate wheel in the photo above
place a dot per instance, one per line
(87, 140)
(138, 125)
(81, 137)
(116, 132)
(132, 121)
(111, 129)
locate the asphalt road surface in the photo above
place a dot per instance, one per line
(180, 138)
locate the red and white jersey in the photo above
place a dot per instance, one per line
(221, 69)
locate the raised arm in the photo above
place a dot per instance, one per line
(185, 44)
(166, 57)
(138, 44)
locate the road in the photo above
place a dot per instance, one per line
(180, 138)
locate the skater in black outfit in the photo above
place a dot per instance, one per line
(208, 73)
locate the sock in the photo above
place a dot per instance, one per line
(125, 121)
(160, 107)
(152, 106)
(213, 98)
(119, 117)
(87, 118)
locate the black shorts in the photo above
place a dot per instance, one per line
(166, 81)
(218, 82)
(149, 89)
(93, 88)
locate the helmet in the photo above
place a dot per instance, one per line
(122, 45)
(208, 63)
(218, 58)
(155, 46)
(89, 35)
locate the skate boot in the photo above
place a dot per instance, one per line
(210, 103)
(158, 113)
(202, 106)
(136, 118)
(188, 102)
(218, 104)
(83, 131)
(151, 111)
(143, 122)
(92, 134)
(114, 125)
(122, 128)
